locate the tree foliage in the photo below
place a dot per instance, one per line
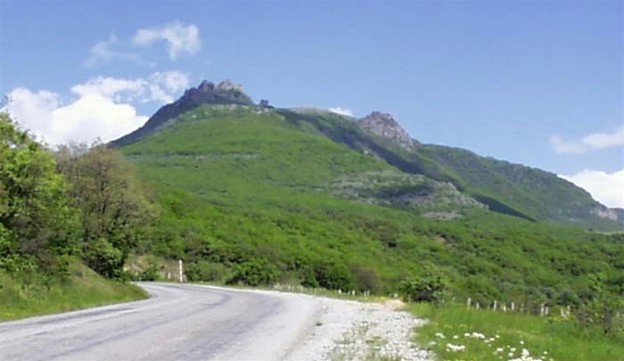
(114, 205)
(426, 286)
(36, 218)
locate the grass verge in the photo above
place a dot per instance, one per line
(83, 289)
(455, 333)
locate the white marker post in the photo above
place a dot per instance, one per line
(180, 269)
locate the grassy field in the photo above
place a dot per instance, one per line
(83, 289)
(455, 333)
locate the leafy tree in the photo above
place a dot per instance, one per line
(114, 204)
(36, 219)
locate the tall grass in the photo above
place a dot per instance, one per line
(486, 335)
(83, 289)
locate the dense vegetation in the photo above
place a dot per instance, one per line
(507, 188)
(251, 197)
(532, 193)
(50, 222)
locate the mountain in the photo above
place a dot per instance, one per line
(226, 92)
(256, 195)
(385, 126)
(524, 191)
(464, 177)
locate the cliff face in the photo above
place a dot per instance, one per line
(226, 92)
(385, 126)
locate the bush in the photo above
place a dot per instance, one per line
(102, 257)
(424, 288)
(205, 271)
(254, 273)
(333, 275)
(366, 278)
(150, 273)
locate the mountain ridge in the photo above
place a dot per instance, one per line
(226, 92)
(504, 187)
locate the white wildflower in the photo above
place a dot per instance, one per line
(455, 348)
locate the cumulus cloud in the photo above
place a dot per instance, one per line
(110, 87)
(86, 119)
(589, 142)
(341, 111)
(158, 87)
(107, 51)
(607, 188)
(100, 109)
(180, 38)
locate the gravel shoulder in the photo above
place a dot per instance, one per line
(361, 331)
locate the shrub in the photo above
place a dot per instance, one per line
(366, 278)
(254, 273)
(205, 271)
(424, 288)
(150, 273)
(333, 275)
(102, 257)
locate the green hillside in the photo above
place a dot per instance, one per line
(504, 187)
(532, 192)
(253, 196)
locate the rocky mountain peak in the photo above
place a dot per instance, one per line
(226, 92)
(228, 86)
(384, 125)
(206, 86)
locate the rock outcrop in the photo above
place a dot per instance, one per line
(226, 92)
(385, 126)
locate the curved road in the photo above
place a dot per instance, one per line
(179, 322)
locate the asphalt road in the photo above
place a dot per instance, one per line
(180, 322)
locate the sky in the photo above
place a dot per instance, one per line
(539, 83)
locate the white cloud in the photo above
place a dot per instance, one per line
(86, 119)
(106, 51)
(172, 80)
(607, 188)
(341, 111)
(564, 147)
(158, 87)
(101, 107)
(178, 36)
(589, 142)
(605, 140)
(110, 87)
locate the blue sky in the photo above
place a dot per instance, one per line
(538, 83)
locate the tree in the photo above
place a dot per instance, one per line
(36, 218)
(114, 205)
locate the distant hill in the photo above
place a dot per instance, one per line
(531, 192)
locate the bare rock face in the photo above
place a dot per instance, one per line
(226, 92)
(384, 125)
